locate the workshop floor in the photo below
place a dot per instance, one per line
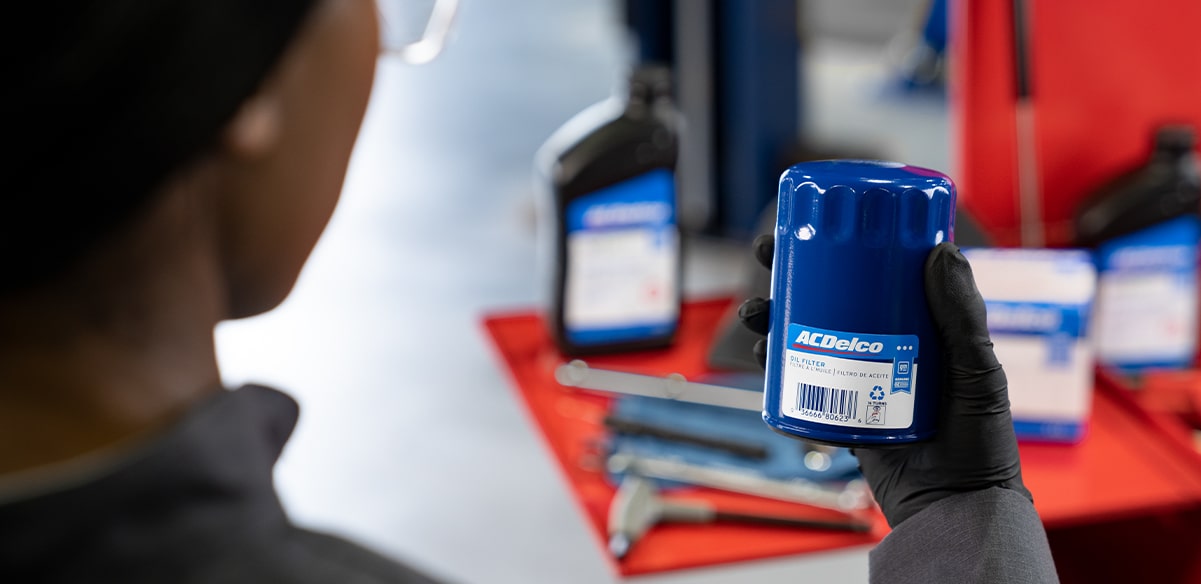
(410, 438)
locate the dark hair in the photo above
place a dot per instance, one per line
(108, 100)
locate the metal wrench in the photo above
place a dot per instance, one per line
(637, 507)
(675, 387)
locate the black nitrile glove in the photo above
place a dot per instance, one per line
(974, 447)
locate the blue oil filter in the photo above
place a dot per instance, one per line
(853, 358)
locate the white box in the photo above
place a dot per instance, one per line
(1039, 301)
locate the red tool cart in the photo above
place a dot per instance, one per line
(1100, 77)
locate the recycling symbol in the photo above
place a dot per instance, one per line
(877, 393)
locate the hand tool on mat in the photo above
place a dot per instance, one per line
(578, 374)
(637, 507)
(853, 495)
(635, 427)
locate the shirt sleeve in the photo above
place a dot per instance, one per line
(988, 536)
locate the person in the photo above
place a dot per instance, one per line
(175, 163)
(957, 504)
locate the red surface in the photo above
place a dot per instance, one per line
(1131, 466)
(1173, 393)
(1161, 548)
(1105, 73)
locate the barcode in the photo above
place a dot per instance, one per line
(834, 402)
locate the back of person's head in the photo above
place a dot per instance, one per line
(111, 97)
(171, 165)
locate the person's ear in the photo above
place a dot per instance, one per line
(254, 130)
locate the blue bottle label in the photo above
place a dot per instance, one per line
(1147, 297)
(856, 380)
(621, 280)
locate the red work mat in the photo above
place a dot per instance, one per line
(1128, 465)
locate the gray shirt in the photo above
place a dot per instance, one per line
(195, 504)
(988, 536)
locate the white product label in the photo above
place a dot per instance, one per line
(1146, 316)
(621, 278)
(1044, 385)
(849, 379)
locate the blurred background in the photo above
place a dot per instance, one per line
(411, 438)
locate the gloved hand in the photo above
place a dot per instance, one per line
(974, 447)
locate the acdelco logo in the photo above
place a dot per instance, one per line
(612, 214)
(826, 341)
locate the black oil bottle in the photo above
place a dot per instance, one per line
(1144, 226)
(1166, 187)
(613, 237)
